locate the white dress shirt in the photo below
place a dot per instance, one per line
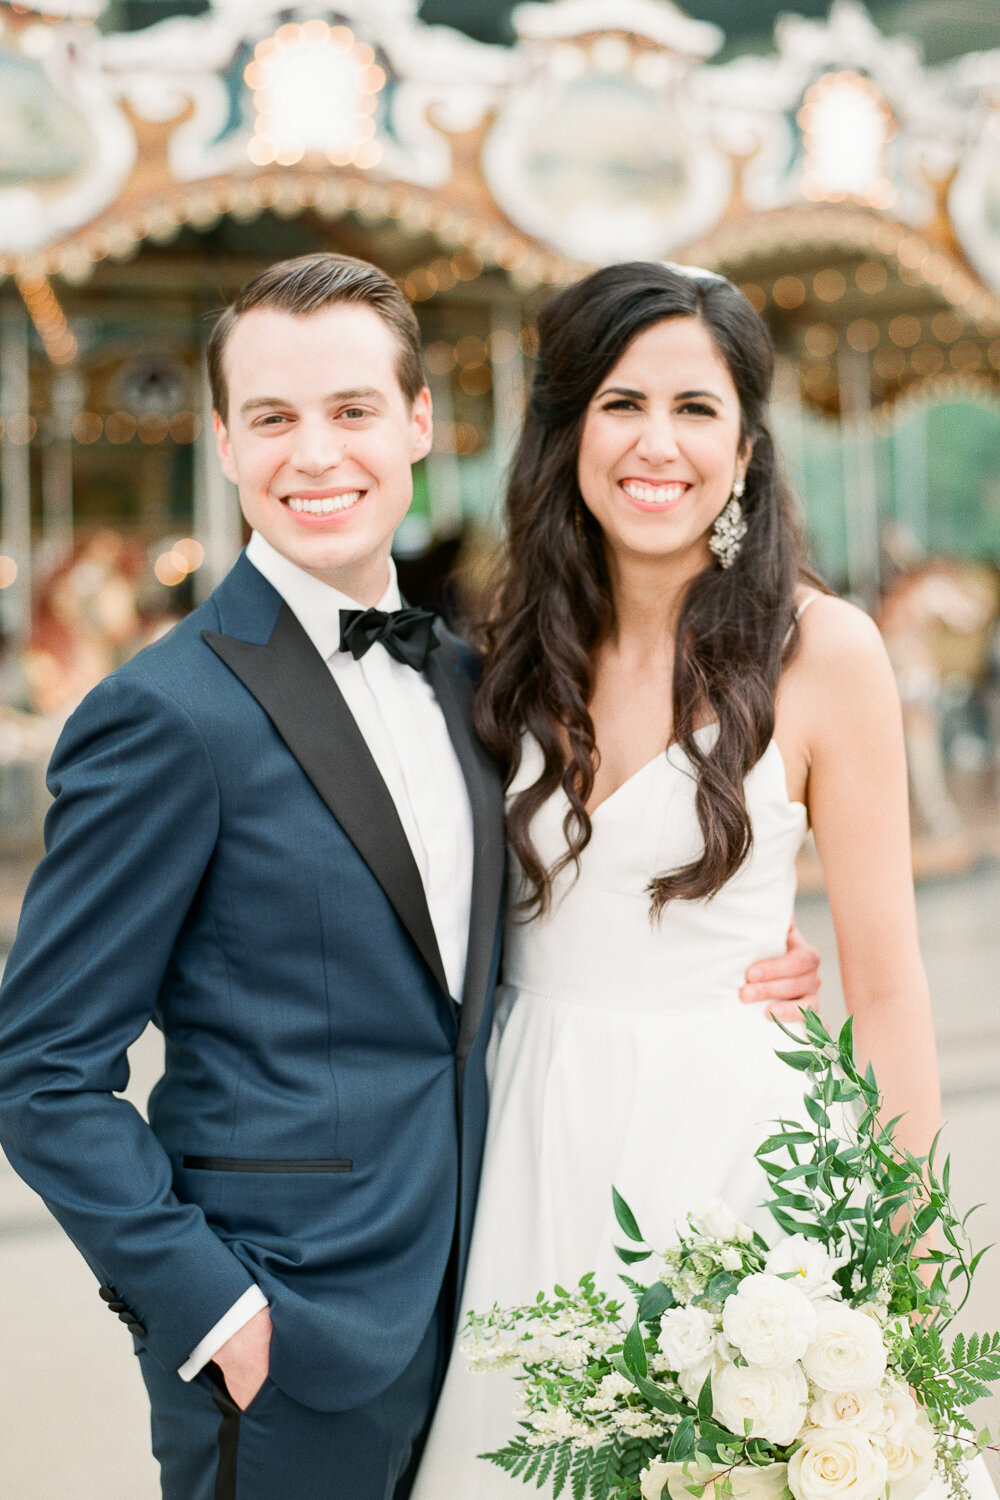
(404, 728)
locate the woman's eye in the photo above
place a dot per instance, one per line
(621, 403)
(698, 408)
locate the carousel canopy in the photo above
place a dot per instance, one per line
(851, 188)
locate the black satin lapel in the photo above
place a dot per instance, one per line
(292, 684)
(454, 689)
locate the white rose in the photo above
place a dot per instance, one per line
(773, 1400)
(809, 1263)
(847, 1352)
(769, 1320)
(661, 1479)
(687, 1336)
(911, 1461)
(654, 1477)
(730, 1258)
(837, 1463)
(717, 1220)
(899, 1412)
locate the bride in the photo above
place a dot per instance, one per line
(674, 698)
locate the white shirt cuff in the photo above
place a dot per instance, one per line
(246, 1307)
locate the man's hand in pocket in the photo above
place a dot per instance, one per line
(245, 1358)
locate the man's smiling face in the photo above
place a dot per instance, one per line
(320, 439)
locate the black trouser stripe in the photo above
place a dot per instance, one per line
(229, 1434)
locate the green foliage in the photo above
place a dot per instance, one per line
(600, 1404)
(850, 1186)
(610, 1472)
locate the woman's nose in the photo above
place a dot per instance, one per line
(657, 440)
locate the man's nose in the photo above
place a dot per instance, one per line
(318, 447)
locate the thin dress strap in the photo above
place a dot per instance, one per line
(800, 612)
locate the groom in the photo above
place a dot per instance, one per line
(275, 834)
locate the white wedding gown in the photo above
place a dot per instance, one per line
(622, 1055)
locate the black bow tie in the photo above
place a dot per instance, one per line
(407, 634)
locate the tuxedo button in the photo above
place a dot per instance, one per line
(106, 1294)
(138, 1330)
(118, 1307)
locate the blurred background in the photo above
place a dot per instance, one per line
(840, 163)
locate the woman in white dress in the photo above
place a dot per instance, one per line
(675, 699)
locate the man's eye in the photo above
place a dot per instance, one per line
(271, 419)
(354, 412)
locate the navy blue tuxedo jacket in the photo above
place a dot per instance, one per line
(223, 856)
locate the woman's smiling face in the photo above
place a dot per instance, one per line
(661, 444)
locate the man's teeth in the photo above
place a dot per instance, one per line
(327, 505)
(654, 494)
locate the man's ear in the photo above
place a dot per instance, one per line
(224, 448)
(423, 425)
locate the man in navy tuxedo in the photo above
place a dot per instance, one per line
(275, 834)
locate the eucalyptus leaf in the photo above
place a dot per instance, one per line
(625, 1217)
(634, 1351)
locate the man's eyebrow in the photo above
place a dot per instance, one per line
(355, 393)
(257, 402)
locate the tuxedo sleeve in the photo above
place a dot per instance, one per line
(128, 838)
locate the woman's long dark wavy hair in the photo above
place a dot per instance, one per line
(553, 606)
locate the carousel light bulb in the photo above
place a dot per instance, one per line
(314, 91)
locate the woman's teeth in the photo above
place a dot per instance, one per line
(654, 494)
(327, 505)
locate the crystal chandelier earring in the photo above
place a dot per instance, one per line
(729, 528)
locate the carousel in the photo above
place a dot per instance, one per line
(851, 191)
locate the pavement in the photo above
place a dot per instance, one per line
(75, 1421)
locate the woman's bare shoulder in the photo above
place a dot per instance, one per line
(841, 661)
(833, 629)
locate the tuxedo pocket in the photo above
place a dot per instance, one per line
(262, 1164)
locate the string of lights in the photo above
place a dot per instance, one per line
(48, 317)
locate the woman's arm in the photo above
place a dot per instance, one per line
(840, 705)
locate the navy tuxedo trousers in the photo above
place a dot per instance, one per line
(277, 1449)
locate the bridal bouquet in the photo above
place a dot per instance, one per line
(815, 1369)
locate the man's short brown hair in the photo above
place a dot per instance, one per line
(307, 284)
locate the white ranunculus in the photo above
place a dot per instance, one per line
(769, 1320)
(774, 1401)
(837, 1463)
(910, 1461)
(692, 1379)
(862, 1409)
(809, 1264)
(847, 1352)
(687, 1336)
(718, 1221)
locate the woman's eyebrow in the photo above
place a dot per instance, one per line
(620, 390)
